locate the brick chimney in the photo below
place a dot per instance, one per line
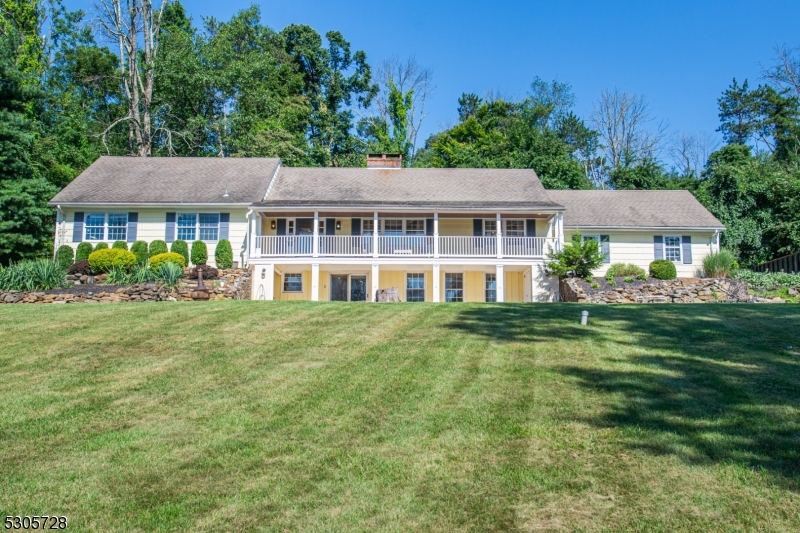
(384, 161)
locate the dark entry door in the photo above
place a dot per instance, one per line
(358, 288)
(338, 288)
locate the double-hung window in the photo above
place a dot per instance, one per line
(415, 227)
(99, 226)
(489, 228)
(198, 226)
(415, 287)
(454, 287)
(393, 227)
(292, 282)
(515, 228)
(187, 226)
(491, 287)
(672, 248)
(209, 226)
(367, 226)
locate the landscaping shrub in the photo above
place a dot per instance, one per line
(83, 251)
(180, 247)
(577, 257)
(169, 273)
(629, 279)
(33, 275)
(208, 272)
(223, 255)
(105, 260)
(618, 270)
(120, 245)
(116, 276)
(767, 280)
(141, 274)
(101, 246)
(158, 247)
(139, 249)
(80, 268)
(65, 256)
(719, 264)
(199, 253)
(663, 269)
(168, 257)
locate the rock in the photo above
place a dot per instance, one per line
(387, 295)
(793, 291)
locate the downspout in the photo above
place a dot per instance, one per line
(246, 251)
(60, 221)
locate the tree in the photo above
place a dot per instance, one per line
(737, 114)
(577, 258)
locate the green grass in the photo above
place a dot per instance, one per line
(240, 416)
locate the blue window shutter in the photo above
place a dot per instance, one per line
(169, 233)
(429, 227)
(477, 227)
(605, 247)
(133, 223)
(686, 244)
(658, 245)
(330, 226)
(224, 225)
(530, 227)
(281, 226)
(77, 228)
(355, 226)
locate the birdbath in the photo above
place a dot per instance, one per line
(200, 292)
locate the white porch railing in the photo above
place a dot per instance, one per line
(401, 245)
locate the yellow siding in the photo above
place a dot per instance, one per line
(346, 226)
(542, 228)
(266, 226)
(428, 285)
(474, 287)
(276, 287)
(455, 227)
(514, 290)
(324, 285)
(389, 278)
(305, 295)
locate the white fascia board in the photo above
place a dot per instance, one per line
(371, 209)
(646, 228)
(147, 205)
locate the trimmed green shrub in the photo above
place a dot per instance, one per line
(719, 264)
(180, 247)
(120, 245)
(619, 270)
(199, 253)
(663, 269)
(83, 251)
(577, 257)
(139, 249)
(223, 255)
(101, 246)
(169, 273)
(168, 257)
(105, 260)
(65, 256)
(158, 247)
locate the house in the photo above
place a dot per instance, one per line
(344, 233)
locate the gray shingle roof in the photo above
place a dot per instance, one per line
(647, 209)
(170, 180)
(423, 187)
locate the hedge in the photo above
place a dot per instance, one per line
(157, 247)
(105, 260)
(83, 251)
(139, 249)
(223, 255)
(199, 253)
(663, 269)
(120, 245)
(65, 256)
(180, 247)
(167, 257)
(101, 246)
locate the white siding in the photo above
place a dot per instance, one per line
(637, 248)
(153, 223)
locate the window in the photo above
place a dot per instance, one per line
(393, 227)
(292, 283)
(95, 226)
(415, 227)
(454, 287)
(209, 226)
(291, 227)
(321, 228)
(672, 249)
(515, 228)
(489, 228)
(415, 287)
(491, 287)
(595, 238)
(367, 226)
(117, 226)
(187, 226)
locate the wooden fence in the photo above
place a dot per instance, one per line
(787, 263)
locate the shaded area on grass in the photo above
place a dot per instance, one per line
(705, 384)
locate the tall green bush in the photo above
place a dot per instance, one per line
(120, 245)
(663, 269)
(158, 247)
(719, 264)
(83, 251)
(180, 247)
(139, 249)
(223, 255)
(199, 253)
(577, 257)
(101, 246)
(65, 256)
(105, 260)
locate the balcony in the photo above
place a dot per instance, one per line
(400, 246)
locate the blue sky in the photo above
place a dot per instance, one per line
(680, 55)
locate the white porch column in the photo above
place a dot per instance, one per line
(560, 230)
(315, 282)
(315, 243)
(437, 295)
(499, 236)
(253, 237)
(436, 235)
(375, 282)
(263, 282)
(501, 284)
(374, 240)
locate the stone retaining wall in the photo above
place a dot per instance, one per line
(683, 290)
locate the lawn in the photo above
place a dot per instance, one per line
(284, 416)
